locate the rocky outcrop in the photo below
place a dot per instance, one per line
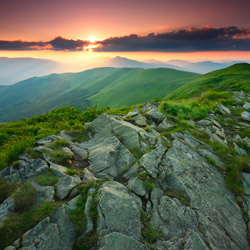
(159, 192)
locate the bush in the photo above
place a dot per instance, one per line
(15, 226)
(6, 189)
(24, 197)
(48, 179)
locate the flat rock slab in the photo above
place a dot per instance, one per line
(118, 211)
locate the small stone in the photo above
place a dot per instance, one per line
(224, 110)
(246, 105)
(245, 115)
(136, 185)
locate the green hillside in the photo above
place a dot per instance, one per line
(141, 86)
(107, 86)
(235, 77)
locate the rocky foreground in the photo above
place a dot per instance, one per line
(157, 192)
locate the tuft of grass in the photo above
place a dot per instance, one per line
(136, 152)
(178, 195)
(24, 197)
(212, 161)
(77, 216)
(149, 233)
(16, 225)
(48, 179)
(57, 144)
(6, 189)
(59, 156)
(72, 171)
(149, 185)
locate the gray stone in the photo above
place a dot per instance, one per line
(221, 133)
(132, 172)
(27, 170)
(65, 185)
(245, 115)
(188, 241)
(136, 185)
(44, 193)
(88, 176)
(204, 123)
(210, 199)
(176, 216)
(246, 105)
(215, 137)
(67, 151)
(58, 169)
(165, 124)
(118, 211)
(240, 151)
(215, 123)
(152, 112)
(119, 241)
(89, 223)
(79, 151)
(56, 233)
(65, 136)
(6, 207)
(224, 110)
(140, 120)
(48, 139)
(208, 153)
(152, 160)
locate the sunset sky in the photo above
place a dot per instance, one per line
(75, 30)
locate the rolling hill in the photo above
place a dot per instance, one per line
(107, 86)
(236, 77)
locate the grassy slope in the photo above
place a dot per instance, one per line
(120, 87)
(141, 86)
(236, 77)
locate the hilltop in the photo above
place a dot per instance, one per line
(235, 77)
(114, 87)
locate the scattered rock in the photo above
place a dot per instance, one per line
(245, 115)
(246, 105)
(224, 110)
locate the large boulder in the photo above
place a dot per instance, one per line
(118, 211)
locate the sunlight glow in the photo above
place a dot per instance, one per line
(92, 39)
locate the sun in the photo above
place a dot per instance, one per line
(92, 39)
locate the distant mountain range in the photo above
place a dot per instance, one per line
(114, 87)
(13, 70)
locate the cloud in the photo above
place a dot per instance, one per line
(184, 40)
(59, 43)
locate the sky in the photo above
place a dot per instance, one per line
(75, 30)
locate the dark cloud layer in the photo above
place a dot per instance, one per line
(59, 43)
(184, 40)
(205, 39)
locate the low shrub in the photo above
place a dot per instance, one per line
(48, 179)
(16, 225)
(24, 197)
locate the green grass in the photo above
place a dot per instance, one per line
(235, 77)
(71, 171)
(6, 189)
(24, 197)
(48, 179)
(20, 137)
(114, 87)
(77, 216)
(149, 233)
(16, 225)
